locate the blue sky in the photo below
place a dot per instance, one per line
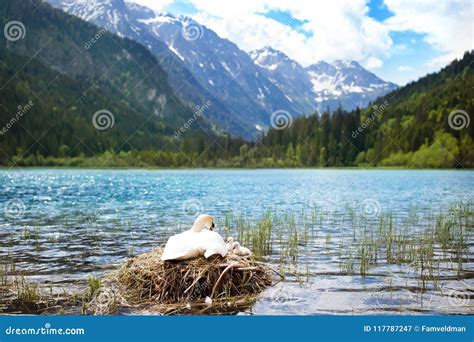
(411, 56)
(399, 40)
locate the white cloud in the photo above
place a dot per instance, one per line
(341, 29)
(447, 25)
(157, 6)
(373, 63)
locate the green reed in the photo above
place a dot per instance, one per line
(26, 292)
(413, 239)
(93, 285)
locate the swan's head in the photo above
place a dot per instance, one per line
(203, 222)
(236, 245)
(230, 239)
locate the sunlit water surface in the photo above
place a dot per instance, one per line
(61, 226)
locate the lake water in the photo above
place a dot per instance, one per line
(61, 226)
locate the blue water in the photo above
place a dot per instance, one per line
(159, 195)
(88, 221)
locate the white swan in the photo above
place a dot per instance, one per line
(199, 240)
(240, 250)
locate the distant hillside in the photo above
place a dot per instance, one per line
(423, 124)
(71, 69)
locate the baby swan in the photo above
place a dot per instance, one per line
(230, 244)
(240, 250)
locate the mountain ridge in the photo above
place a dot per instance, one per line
(342, 83)
(96, 72)
(245, 95)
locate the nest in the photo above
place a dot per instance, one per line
(234, 281)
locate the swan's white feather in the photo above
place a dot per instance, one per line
(189, 244)
(181, 246)
(212, 243)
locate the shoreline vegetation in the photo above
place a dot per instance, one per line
(169, 160)
(228, 167)
(423, 251)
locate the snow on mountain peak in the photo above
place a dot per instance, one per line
(270, 59)
(341, 81)
(255, 83)
(344, 64)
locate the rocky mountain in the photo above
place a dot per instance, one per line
(90, 91)
(347, 83)
(222, 68)
(214, 69)
(121, 18)
(288, 75)
(245, 88)
(322, 85)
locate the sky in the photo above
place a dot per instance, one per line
(398, 40)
